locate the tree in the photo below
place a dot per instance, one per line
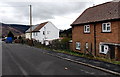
(66, 33)
(65, 43)
(10, 34)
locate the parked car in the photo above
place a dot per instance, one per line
(9, 40)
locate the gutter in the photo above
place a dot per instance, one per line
(92, 22)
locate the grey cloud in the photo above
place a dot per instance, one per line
(47, 10)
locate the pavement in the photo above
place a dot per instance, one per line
(101, 65)
(20, 59)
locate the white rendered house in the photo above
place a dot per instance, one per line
(44, 32)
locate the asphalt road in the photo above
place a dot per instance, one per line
(25, 60)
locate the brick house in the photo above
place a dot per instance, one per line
(97, 31)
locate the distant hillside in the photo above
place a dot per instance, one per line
(66, 33)
(16, 29)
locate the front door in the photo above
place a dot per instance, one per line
(112, 52)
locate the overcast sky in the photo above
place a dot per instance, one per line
(61, 13)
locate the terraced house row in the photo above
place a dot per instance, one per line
(97, 31)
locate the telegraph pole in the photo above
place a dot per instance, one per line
(30, 22)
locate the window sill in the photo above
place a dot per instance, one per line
(78, 49)
(86, 32)
(106, 32)
(102, 53)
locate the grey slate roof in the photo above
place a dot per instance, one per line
(33, 27)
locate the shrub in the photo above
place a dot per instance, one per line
(10, 34)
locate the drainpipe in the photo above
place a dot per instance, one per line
(94, 39)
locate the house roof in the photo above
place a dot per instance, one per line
(102, 12)
(33, 27)
(39, 26)
(36, 28)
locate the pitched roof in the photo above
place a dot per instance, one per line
(39, 26)
(33, 27)
(102, 12)
(36, 28)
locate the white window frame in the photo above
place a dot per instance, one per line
(33, 34)
(108, 24)
(79, 45)
(48, 32)
(86, 28)
(43, 32)
(105, 51)
(86, 45)
(36, 33)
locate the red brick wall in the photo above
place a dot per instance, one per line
(78, 35)
(119, 31)
(106, 37)
(117, 53)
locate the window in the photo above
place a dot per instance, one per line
(86, 28)
(36, 33)
(78, 45)
(106, 27)
(43, 32)
(48, 32)
(86, 45)
(33, 34)
(104, 49)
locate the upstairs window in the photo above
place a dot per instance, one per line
(48, 32)
(78, 45)
(86, 28)
(106, 27)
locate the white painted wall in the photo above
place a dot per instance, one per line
(52, 32)
(27, 35)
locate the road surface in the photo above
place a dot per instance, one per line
(25, 60)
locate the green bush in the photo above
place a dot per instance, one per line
(60, 44)
(10, 34)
